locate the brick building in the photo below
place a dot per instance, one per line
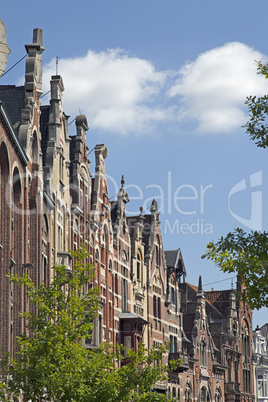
(51, 203)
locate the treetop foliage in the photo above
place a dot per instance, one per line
(257, 125)
(53, 365)
(247, 255)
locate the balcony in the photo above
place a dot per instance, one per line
(185, 361)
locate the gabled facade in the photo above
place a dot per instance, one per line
(204, 379)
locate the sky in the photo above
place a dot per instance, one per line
(163, 85)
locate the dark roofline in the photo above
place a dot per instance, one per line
(195, 288)
(12, 134)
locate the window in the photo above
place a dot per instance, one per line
(154, 306)
(59, 238)
(90, 339)
(116, 283)
(138, 268)
(203, 395)
(203, 352)
(173, 344)
(124, 289)
(172, 295)
(229, 372)
(61, 166)
(236, 368)
(100, 329)
(159, 307)
(262, 385)
(157, 254)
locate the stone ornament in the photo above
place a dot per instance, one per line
(4, 49)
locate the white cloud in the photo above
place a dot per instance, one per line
(213, 88)
(115, 91)
(124, 94)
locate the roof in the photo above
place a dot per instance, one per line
(174, 260)
(220, 299)
(14, 100)
(171, 257)
(127, 316)
(12, 134)
(211, 308)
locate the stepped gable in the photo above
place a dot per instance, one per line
(7, 95)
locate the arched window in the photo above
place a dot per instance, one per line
(203, 395)
(124, 257)
(35, 152)
(97, 254)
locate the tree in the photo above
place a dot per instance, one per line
(257, 125)
(53, 365)
(241, 252)
(247, 255)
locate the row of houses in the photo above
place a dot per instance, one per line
(52, 202)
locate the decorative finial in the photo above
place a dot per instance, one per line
(57, 65)
(141, 210)
(200, 286)
(122, 181)
(154, 206)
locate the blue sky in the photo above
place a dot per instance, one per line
(163, 85)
